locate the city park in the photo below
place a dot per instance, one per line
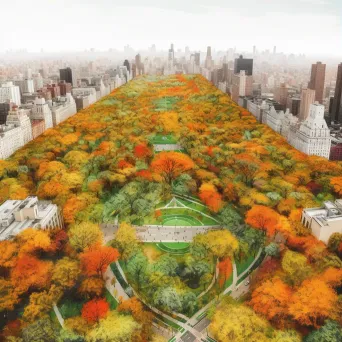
(169, 234)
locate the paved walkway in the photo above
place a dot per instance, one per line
(166, 147)
(115, 290)
(58, 315)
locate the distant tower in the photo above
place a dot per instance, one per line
(245, 64)
(336, 111)
(65, 75)
(274, 50)
(208, 61)
(127, 65)
(317, 80)
(254, 50)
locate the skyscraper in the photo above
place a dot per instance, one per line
(126, 64)
(66, 75)
(317, 80)
(245, 64)
(307, 99)
(336, 112)
(208, 60)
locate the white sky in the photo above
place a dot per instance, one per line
(296, 26)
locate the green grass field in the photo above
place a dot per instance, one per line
(174, 247)
(164, 139)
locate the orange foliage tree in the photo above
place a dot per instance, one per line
(225, 270)
(263, 218)
(94, 310)
(170, 165)
(271, 299)
(313, 303)
(30, 272)
(96, 259)
(210, 197)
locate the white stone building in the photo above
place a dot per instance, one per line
(324, 221)
(17, 215)
(21, 118)
(42, 111)
(63, 108)
(313, 135)
(10, 92)
(90, 93)
(11, 139)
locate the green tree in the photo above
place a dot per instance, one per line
(331, 331)
(137, 267)
(168, 299)
(166, 265)
(272, 249)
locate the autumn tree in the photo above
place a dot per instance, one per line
(126, 240)
(263, 218)
(271, 299)
(30, 272)
(296, 267)
(96, 259)
(171, 164)
(9, 297)
(313, 303)
(95, 310)
(91, 287)
(8, 252)
(210, 197)
(218, 243)
(84, 235)
(114, 327)
(238, 323)
(135, 308)
(66, 272)
(336, 182)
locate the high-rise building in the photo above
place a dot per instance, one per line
(4, 109)
(274, 50)
(127, 65)
(245, 64)
(208, 60)
(242, 86)
(307, 99)
(336, 111)
(280, 94)
(293, 103)
(25, 86)
(20, 118)
(66, 75)
(317, 80)
(10, 92)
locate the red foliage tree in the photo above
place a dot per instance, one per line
(94, 310)
(225, 270)
(142, 151)
(96, 259)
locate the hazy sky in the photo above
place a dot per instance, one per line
(307, 26)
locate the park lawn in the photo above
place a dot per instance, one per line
(176, 245)
(244, 264)
(164, 139)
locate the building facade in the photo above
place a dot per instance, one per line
(313, 136)
(17, 215)
(324, 221)
(317, 80)
(336, 110)
(245, 64)
(307, 99)
(63, 108)
(42, 111)
(10, 92)
(21, 118)
(242, 85)
(38, 128)
(11, 139)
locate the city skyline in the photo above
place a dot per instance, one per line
(314, 29)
